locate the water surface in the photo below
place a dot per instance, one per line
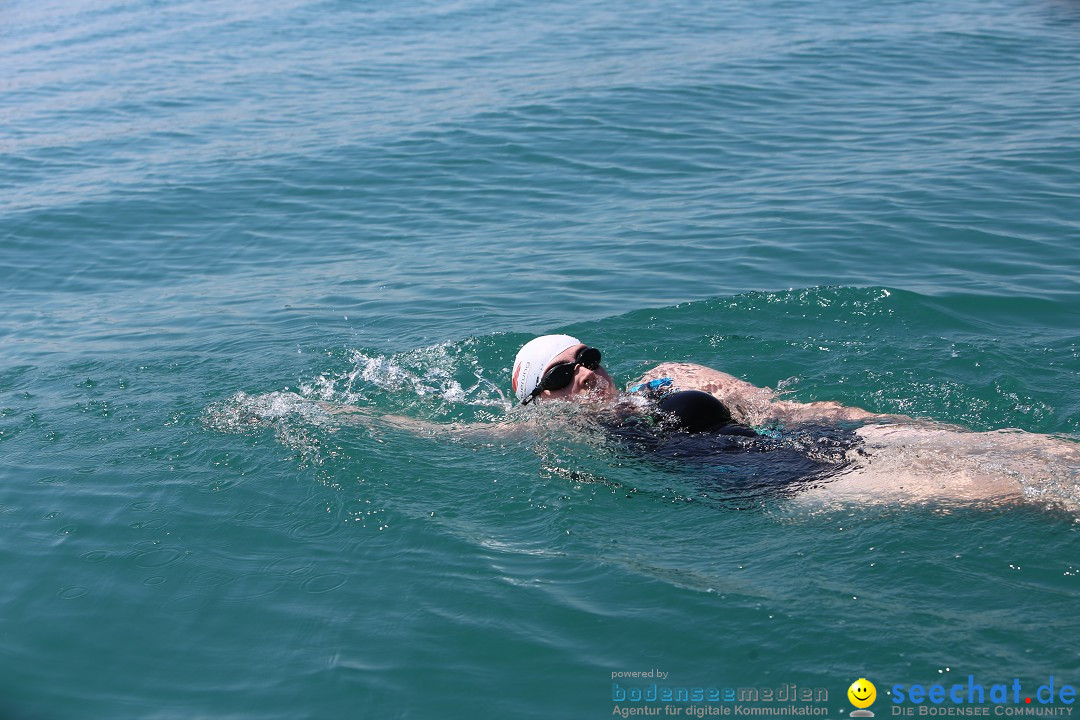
(213, 218)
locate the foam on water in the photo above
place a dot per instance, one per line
(446, 377)
(297, 422)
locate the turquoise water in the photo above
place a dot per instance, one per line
(214, 217)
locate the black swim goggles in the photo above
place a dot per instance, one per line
(561, 374)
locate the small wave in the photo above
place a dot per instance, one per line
(442, 382)
(297, 422)
(446, 377)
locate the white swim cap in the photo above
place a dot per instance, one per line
(534, 357)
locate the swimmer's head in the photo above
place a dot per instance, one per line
(559, 366)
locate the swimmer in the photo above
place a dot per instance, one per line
(898, 458)
(889, 458)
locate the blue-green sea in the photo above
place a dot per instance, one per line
(221, 223)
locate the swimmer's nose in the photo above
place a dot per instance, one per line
(586, 377)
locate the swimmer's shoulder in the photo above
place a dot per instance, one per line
(691, 376)
(672, 369)
(740, 397)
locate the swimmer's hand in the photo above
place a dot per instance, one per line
(346, 409)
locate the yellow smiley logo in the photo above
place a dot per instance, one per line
(862, 693)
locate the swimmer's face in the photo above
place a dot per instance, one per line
(587, 384)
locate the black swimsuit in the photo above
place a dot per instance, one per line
(687, 410)
(692, 431)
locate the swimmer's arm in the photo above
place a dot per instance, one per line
(755, 405)
(465, 431)
(745, 401)
(688, 376)
(827, 411)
